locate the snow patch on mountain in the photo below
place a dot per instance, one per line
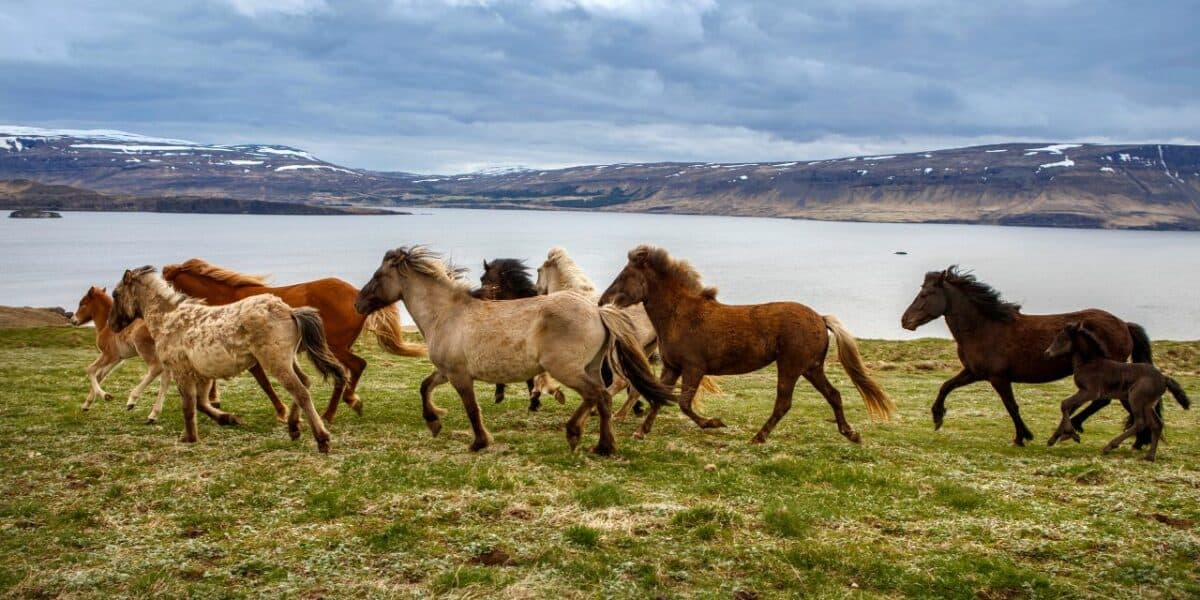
(299, 167)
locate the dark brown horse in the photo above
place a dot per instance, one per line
(698, 336)
(1139, 386)
(998, 344)
(508, 279)
(334, 299)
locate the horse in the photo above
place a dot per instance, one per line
(508, 279)
(114, 348)
(698, 335)
(566, 335)
(334, 299)
(560, 272)
(199, 344)
(999, 344)
(1139, 385)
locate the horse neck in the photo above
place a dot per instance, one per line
(962, 316)
(666, 300)
(101, 305)
(431, 302)
(212, 291)
(156, 304)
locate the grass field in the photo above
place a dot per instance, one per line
(98, 504)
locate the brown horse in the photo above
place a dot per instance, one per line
(1140, 386)
(998, 344)
(96, 305)
(700, 336)
(334, 299)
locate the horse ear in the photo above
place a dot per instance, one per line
(639, 255)
(103, 290)
(486, 266)
(128, 276)
(1073, 326)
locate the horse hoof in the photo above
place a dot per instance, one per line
(535, 396)
(130, 406)
(85, 408)
(638, 435)
(357, 407)
(478, 444)
(638, 410)
(853, 436)
(294, 434)
(714, 424)
(758, 439)
(230, 419)
(560, 396)
(186, 440)
(1019, 441)
(281, 418)
(534, 405)
(151, 420)
(435, 426)
(323, 446)
(328, 418)
(600, 450)
(108, 396)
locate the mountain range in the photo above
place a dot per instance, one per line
(1135, 186)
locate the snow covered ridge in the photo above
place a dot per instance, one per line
(299, 167)
(90, 134)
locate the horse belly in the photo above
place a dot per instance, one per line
(220, 362)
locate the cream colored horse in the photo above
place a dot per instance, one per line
(566, 335)
(560, 273)
(199, 344)
(114, 348)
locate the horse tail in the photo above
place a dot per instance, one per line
(626, 355)
(312, 341)
(1177, 391)
(1142, 352)
(384, 324)
(879, 405)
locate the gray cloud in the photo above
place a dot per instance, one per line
(452, 85)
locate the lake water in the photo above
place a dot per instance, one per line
(847, 269)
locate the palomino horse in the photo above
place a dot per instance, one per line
(565, 335)
(559, 273)
(998, 344)
(200, 344)
(114, 348)
(697, 335)
(508, 279)
(334, 299)
(1140, 386)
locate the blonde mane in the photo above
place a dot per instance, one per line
(570, 276)
(423, 261)
(148, 276)
(676, 269)
(200, 268)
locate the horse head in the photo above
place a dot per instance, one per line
(632, 283)
(127, 303)
(85, 313)
(929, 304)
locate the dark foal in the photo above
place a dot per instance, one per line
(1140, 386)
(1000, 345)
(508, 279)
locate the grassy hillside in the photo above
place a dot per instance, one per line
(98, 504)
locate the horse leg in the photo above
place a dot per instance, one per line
(214, 413)
(93, 385)
(1138, 423)
(669, 376)
(816, 376)
(1066, 427)
(284, 372)
(335, 398)
(1004, 388)
(785, 385)
(964, 377)
(187, 391)
(631, 400)
(499, 393)
(535, 395)
(691, 384)
(214, 396)
(152, 373)
(578, 420)
(430, 411)
(355, 364)
(1156, 427)
(1091, 409)
(281, 413)
(465, 386)
(164, 385)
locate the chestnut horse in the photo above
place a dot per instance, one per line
(114, 348)
(698, 336)
(334, 299)
(998, 344)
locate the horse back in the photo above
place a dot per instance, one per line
(1018, 354)
(738, 338)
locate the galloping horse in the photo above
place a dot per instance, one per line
(1140, 386)
(114, 348)
(697, 335)
(566, 335)
(200, 344)
(560, 272)
(998, 344)
(334, 299)
(508, 279)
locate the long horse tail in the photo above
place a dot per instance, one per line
(1142, 352)
(384, 324)
(1177, 391)
(879, 405)
(626, 355)
(312, 341)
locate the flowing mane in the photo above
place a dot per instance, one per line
(200, 268)
(571, 277)
(508, 274)
(680, 270)
(158, 286)
(423, 261)
(983, 296)
(1087, 343)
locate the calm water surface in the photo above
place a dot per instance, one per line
(848, 269)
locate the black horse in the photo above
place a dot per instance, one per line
(508, 279)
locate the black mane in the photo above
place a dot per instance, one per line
(985, 297)
(506, 279)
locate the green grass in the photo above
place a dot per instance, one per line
(98, 504)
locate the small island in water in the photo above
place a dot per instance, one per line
(33, 213)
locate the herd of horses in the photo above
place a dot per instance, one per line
(197, 323)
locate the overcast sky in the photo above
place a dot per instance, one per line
(440, 86)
